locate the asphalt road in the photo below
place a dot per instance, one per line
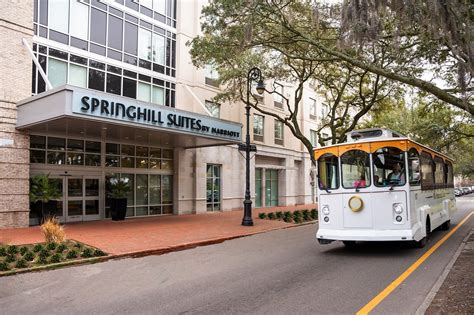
(279, 272)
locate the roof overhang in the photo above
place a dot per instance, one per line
(74, 111)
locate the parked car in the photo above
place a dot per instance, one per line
(466, 190)
(457, 192)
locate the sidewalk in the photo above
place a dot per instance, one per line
(141, 236)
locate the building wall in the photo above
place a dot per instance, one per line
(16, 22)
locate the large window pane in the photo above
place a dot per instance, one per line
(142, 189)
(143, 93)
(355, 169)
(389, 167)
(129, 88)
(258, 125)
(144, 44)
(158, 49)
(96, 79)
(159, 6)
(78, 76)
(57, 72)
(59, 15)
(328, 172)
(98, 26)
(115, 32)
(79, 17)
(155, 189)
(167, 189)
(158, 95)
(114, 84)
(131, 38)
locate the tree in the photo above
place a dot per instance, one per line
(309, 24)
(234, 43)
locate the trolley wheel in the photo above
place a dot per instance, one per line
(446, 225)
(422, 243)
(349, 243)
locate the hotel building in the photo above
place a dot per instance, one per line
(95, 89)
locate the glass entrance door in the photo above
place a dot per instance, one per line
(82, 198)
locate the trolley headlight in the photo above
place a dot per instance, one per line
(325, 210)
(397, 208)
(398, 218)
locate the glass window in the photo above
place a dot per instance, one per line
(328, 172)
(37, 142)
(414, 167)
(144, 44)
(158, 95)
(439, 170)
(57, 72)
(115, 32)
(114, 84)
(155, 189)
(271, 187)
(258, 125)
(96, 80)
(258, 187)
(56, 143)
(143, 92)
(278, 95)
(213, 187)
(129, 88)
(324, 110)
(355, 169)
(59, 15)
(98, 26)
(449, 174)
(313, 138)
(79, 17)
(159, 6)
(427, 176)
(278, 130)
(77, 75)
(211, 72)
(312, 109)
(389, 167)
(142, 189)
(131, 38)
(167, 193)
(213, 108)
(158, 49)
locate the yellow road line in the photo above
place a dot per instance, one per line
(392, 286)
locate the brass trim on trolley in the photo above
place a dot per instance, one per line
(356, 203)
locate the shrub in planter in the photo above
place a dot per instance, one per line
(12, 250)
(21, 263)
(306, 215)
(42, 260)
(37, 248)
(9, 259)
(4, 266)
(119, 189)
(287, 216)
(71, 254)
(99, 253)
(23, 250)
(86, 253)
(53, 232)
(271, 216)
(314, 214)
(55, 258)
(297, 217)
(29, 256)
(279, 215)
(77, 245)
(3, 251)
(44, 193)
(262, 215)
(44, 253)
(51, 246)
(61, 248)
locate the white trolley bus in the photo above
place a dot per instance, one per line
(382, 186)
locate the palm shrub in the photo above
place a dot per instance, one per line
(23, 250)
(297, 217)
(61, 248)
(9, 259)
(37, 248)
(271, 216)
(71, 254)
(98, 253)
(44, 191)
(4, 266)
(55, 258)
(306, 215)
(51, 246)
(287, 216)
(29, 256)
(86, 253)
(21, 263)
(3, 251)
(314, 214)
(12, 250)
(42, 260)
(279, 215)
(262, 215)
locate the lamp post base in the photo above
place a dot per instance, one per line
(247, 220)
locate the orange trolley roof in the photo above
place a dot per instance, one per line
(371, 145)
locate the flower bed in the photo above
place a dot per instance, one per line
(297, 216)
(15, 258)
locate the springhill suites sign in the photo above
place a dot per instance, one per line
(138, 113)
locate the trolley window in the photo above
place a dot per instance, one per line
(328, 172)
(427, 174)
(414, 167)
(389, 167)
(439, 171)
(355, 169)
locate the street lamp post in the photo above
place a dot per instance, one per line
(253, 75)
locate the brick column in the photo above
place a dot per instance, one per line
(16, 22)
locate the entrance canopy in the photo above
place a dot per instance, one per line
(74, 111)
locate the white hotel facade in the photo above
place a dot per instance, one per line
(122, 99)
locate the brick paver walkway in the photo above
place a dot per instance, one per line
(156, 233)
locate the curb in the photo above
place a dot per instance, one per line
(431, 295)
(149, 252)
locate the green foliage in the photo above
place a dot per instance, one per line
(21, 263)
(29, 256)
(78, 245)
(287, 216)
(23, 250)
(86, 253)
(9, 258)
(44, 253)
(55, 258)
(271, 215)
(42, 260)
(98, 253)
(71, 254)
(3, 251)
(4, 266)
(61, 248)
(306, 215)
(314, 214)
(51, 246)
(297, 216)
(262, 215)
(42, 189)
(37, 248)
(12, 249)
(279, 215)
(119, 187)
